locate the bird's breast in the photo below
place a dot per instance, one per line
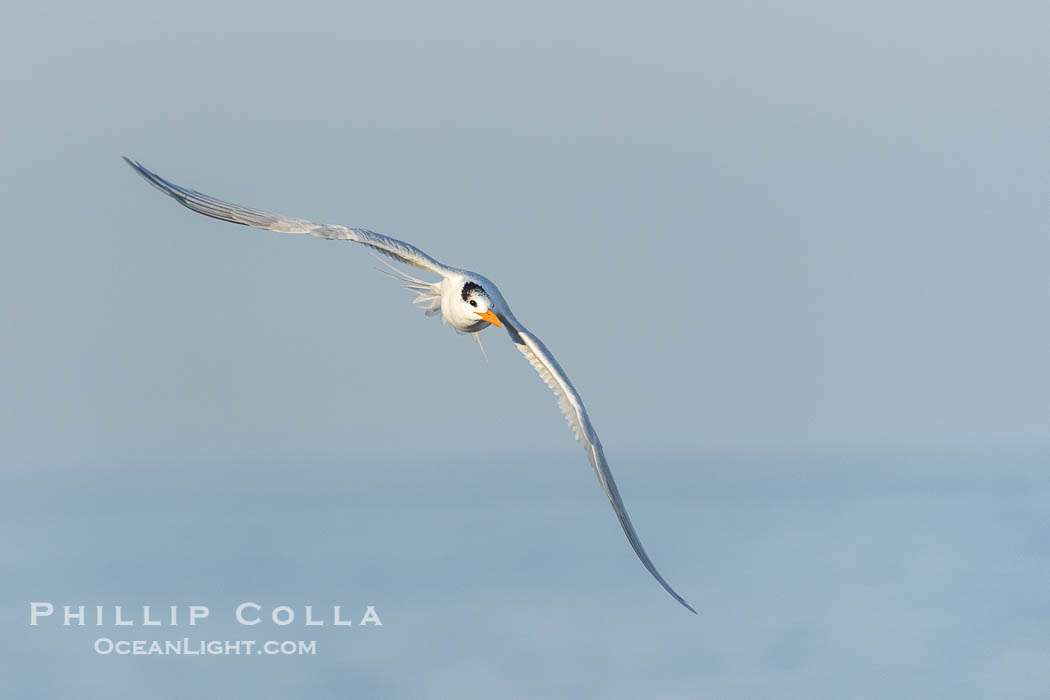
(470, 327)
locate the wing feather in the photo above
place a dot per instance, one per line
(235, 213)
(530, 346)
(572, 406)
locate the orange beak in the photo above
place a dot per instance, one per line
(490, 317)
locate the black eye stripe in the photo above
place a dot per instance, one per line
(470, 287)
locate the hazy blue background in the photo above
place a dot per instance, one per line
(793, 257)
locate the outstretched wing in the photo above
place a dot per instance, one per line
(572, 406)
(217, 209)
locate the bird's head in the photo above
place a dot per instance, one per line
(477, 303)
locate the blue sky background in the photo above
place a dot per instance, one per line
(794, 258)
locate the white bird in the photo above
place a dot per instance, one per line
(466, 301)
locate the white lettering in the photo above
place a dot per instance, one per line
(287, 618)
(370, 616)
(337, 621)
(118, 620)
(146, 621)
(240, 613)
(198, 612)
(38, 610)
(78, 616)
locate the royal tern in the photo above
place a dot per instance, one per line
(467, 301)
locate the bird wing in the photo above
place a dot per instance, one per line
(217, 209)
(529, 345)
(572, 406)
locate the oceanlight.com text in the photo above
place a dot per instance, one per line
(104, 646)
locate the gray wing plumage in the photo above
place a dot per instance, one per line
(218, 209)
(529, 345)
(572, 406)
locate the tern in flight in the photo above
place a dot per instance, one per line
(467, 301)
